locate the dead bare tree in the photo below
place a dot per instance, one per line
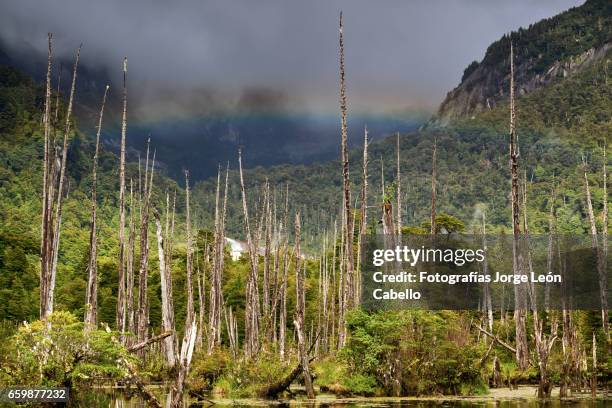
(190, 306)
(166, 291)
(251, 342)
(267, 215)
(543, 343)
(345, 176)
(54, 225)
(522, 352)
(601, 267)
(91, 298)
(433, 187)
(364, 213)
(298, 319)
(216, 295)
(603, 280)
(184, 362)
(131, 318)
(45, 225)
(121, 298)
(488, 306)
(143, 274)
(398, 186)
(283, 290)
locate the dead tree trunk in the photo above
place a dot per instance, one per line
(166, 293)
(283, 290)
(190, 307)
(143, 301)
(50, 287)
(212, 319)
(201, 279)
(399, 191)
(433, 187)
(522, 353)
(252, 295)
(267, 215)
(121, 298)
(603, 278)
(346, 181)
(364, 214)
(300, 306)
(543, 343)
(549, 255)
(46, 199)
(488, 306)
(91, 299)
(131, 318)
(184, 363)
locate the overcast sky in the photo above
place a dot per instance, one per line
(399, 54)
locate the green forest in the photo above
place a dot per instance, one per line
(160, 297)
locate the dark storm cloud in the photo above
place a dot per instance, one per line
(399, 54)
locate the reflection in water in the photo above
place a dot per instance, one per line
(123, 399)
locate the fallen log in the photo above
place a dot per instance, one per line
(495, 338)
(135, 379)
(272, 390)
(145, 343)
(276, 388)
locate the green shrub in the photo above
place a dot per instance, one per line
(206, 369)
(247, 378)
(60, 353)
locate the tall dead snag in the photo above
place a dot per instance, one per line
(166, 292)
(214, 311)
(488, 306)
(364, 213)
(201, 279)
(603, 278)
(433, 187)
(333, 284)
(184, 363)
(522, 353)
(267, 215)
(251, 328)
(345, 175)
(595, 242)
(54, 233)
(143, 274)
(131, 321)
(190, 307)
(594, 368)
(589, 202)
(399, 190)
(216, 294)
(283, 291)
(549, 255)
(91, 299)
(543, 343)
(300, 306)
(221, 262)
(45, 225)
(121, 299)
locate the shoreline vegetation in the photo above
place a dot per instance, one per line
(118, 281)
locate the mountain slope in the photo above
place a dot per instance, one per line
(545, 52)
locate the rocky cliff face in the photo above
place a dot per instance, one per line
(551, 50)
(484, 88)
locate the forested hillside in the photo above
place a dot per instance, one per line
(546, 52)
(557, 124)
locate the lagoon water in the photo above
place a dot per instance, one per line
(499, 398)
